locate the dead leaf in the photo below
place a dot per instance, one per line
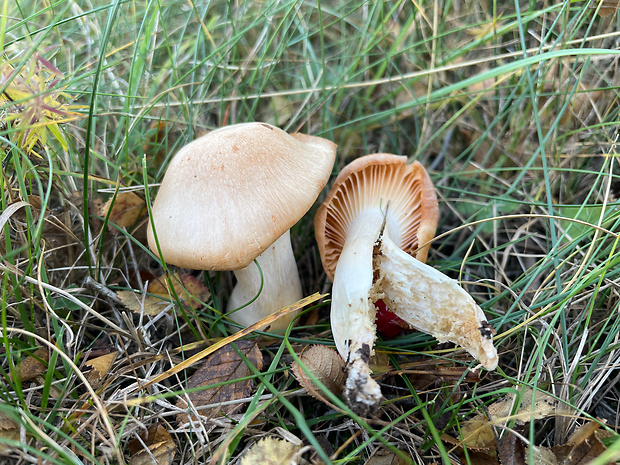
(150, 305)
(501, 411)
(511, 449)
(223, 365)
(478, 434)
(583, 446)
(380, 363)
(479, 457)
(160, 448)
(186, 286)
(271, 451)
(125, 209)
(34, 365)
(325, 364)
(541, 456)
(384, 456)
(608, 7)
(100, 368)
(8, 430)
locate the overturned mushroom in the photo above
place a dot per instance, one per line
(230, 197)
(372, 232)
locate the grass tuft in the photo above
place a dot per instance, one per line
(512, 107)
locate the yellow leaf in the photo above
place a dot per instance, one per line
(100, 367)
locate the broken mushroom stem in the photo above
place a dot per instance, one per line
(431, 302)
(373, 232)
(255, 297)
(371, 268)
(353, 314)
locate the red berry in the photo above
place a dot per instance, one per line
(389, 325)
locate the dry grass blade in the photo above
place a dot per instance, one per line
(512, 107)
(67, 295)
(95, 398)
(10, 211)
(232, 338)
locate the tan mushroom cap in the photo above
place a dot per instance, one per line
(230, 194)
(370, 182)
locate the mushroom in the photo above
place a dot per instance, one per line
(230, 197)
(372, 232)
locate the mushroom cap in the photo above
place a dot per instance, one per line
(370, 182)
(230, 194)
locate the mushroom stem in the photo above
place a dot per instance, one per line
(353, 314)
(281, 286)
(431, 302)
(373, 267)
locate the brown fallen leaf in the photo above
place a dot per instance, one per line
(384, 456)
(607, 8)
(325, 364)
(501, 411)
(223, 365)
(541, 456)
(124, 210)
(584, 445)
(137, 303)
(478, 434)
(8, 430)
(511, 449)
(186, 286)
(100, 368)
(160, 447)
(34, 365)
(271, 451)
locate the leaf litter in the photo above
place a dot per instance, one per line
(36, 136)
(480, 435)
(221, 369)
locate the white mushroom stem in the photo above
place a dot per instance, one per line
(352, 313)
(281, 286)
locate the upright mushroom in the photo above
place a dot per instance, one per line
(230, 197)
(372, 232)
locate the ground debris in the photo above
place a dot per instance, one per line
(153, 447)
(325, 364)
(224, 365)
(271, 451)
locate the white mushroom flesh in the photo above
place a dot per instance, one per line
(433, 303)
